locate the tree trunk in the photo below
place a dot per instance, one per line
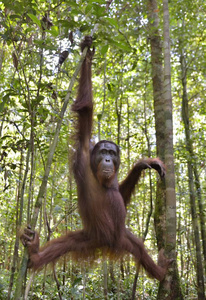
(38, 204)
(16, 245)
(171, 283)
(165, 206)
(19, 222)
(185, 117)
(157, 79)
(202, 209)
(105, 273)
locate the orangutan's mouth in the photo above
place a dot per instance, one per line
(108, 173)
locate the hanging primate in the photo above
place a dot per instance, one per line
(102, 200)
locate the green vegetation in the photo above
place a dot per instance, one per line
(36, 93)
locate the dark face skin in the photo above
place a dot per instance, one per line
(107, 159)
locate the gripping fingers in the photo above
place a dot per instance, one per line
(26, 239)
(161, 170)
(27, 236)
(142, 165)
(28, 231)
(158, 165)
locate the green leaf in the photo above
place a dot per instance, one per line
(121, 45)
(88, 9)
(112, 22)
(84, 28)
(39, 98)
(104, 49)
(76, 281)
(54, 31)
(5, 98)
(99, 11)
(14, 17)
(35, 19)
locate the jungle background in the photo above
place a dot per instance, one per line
(149, 91)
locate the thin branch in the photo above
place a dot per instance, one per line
(38, 204)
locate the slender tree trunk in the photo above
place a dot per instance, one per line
(31, 181)
(202, 209)
(157, 79)
(38, 204)
(105, 279)
(19, 222)
(165, 206)
(185, 116)
(57, 282)
(118, 103)
(16, 245)
(149, 215)
(2, 54)
(190, 150)
(171, 283)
